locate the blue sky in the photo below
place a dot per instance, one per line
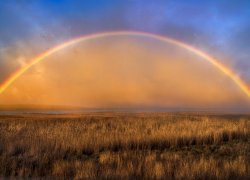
(219, 27)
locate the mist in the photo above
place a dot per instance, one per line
(125, 72)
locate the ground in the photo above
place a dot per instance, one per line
(125, 145)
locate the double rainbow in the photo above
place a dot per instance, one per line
(240, 83)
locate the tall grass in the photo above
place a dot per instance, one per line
(174, 146)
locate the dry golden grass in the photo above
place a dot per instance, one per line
(119, 145)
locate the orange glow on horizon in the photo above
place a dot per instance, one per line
(225, 70)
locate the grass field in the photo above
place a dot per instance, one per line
(125, 145)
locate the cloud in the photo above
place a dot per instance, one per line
(121, 72)
(217, 27)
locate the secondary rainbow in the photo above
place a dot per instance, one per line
(240, 83)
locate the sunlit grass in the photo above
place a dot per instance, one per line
(113, 145)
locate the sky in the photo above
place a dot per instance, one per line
(217, 27)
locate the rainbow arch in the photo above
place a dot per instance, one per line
(221, 67)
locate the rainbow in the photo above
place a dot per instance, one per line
(240, 83)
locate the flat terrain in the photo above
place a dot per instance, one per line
(125, 145)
